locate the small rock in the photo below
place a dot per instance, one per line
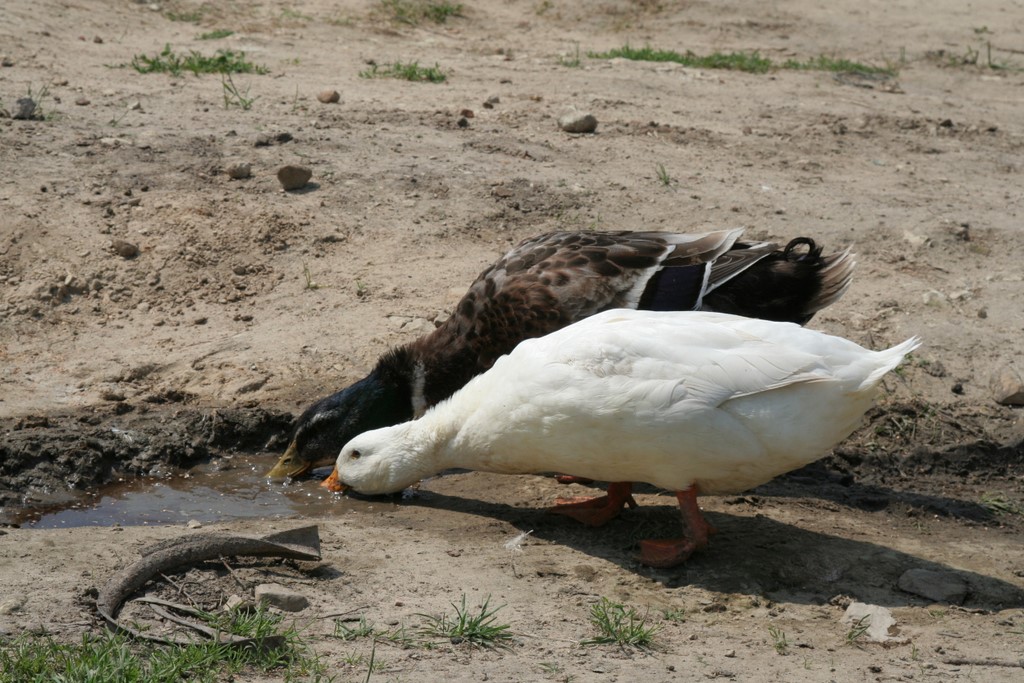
(463, 122)
(82, 101)
(201, 320)
(240, 270)
(12, 605)
(135, 106)
(467, 113)
(878, 619)
(24, 109)
(98, 40)
(493, 99)
(236, 603)
(1007, 387)
(278, 596)
(293, 177)
(124, 249)
(239, 170)
(112, 395)
(6, 61)
(266, 139)
(934, 297)
(329, 96)
(578, 122)
(934, 585)
(194, 524)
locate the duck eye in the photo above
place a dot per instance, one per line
(355, 454)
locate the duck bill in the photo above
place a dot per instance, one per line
(333, 482)
(290, 464)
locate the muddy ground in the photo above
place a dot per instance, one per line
(244, 303)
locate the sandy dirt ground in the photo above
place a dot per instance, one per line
(244, 303)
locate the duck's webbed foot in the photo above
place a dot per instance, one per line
(668, 552)
(600, 510)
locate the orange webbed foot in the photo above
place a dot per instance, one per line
(600, 510)
(669, 552)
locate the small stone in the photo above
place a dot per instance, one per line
(201, 320)
(329, 96)
(1007, 387)
(938, 586)
(124, 249)
(578, 122)
(239, 170)
(98, 40)
(934, 297)
(135, 106)
(24, 109)
(463, 122)
(278, 596)
(293, 177)
(12, 605)
(82, 101)
(493, 99)
(240, 270)
(467, 113)
(6, 61)
(112, 395)
(236, 603)
(194, 524)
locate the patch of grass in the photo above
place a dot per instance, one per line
(751, 62)
(310, 283)
(620, 625)
(215, 35)
(858, 630)
(825, 63)
(193, 17)
(740, 61)
(412, 12)
(478, 628)
(663, 175)
(675, 614)
(573, 62)
(168, 61)
(999, 504)
(363, 629)
(233, 96)
(295, 15)
(779, 641)
(112, 657)
(411, 71)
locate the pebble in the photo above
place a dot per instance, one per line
(578, 122)
(463, 122)
(293, 177)
(329, 96)
(267, 139)
(236, 603)
(946, 587)
(1007, 387)
(194, 524)
(934, 297)
(239, 170)
(124, 249)
(6, 61)
(82, 100)
(24, 109)
(283, 598)
(12, 605)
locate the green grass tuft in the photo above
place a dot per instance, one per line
(477, 629)
(620, 625)
(168, 61)
(412, 12)
(215, 35)
(411, 71)
(751, 62)
(113, 657)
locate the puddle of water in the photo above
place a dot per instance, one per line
(203, 494)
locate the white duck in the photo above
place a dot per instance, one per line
(694, 402)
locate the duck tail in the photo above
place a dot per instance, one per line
(887, 360)
(787, 285)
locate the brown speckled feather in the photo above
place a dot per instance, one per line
(550, 281)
